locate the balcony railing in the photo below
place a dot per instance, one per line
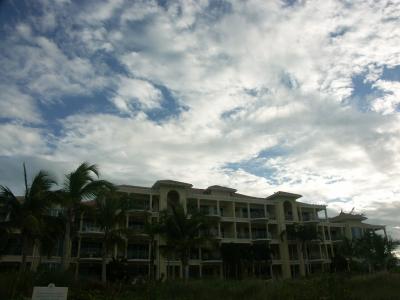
(258, 235)
(137, 254)
(289, 217)
(207, 256)
(241, 214)
(90, 227)
(243, 235)
(257, 214)
(209, 210)
(227, 235)
(90, 253)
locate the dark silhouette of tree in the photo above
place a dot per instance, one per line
(375, 250)
(28, 214)
(183, 232)
(303, 234)
(110, 214)
(348, 249)
(79, 185)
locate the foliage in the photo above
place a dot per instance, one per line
(28, 215)
(302, 232)
(184, 232)
(110, 213)
(375, 251)
(382, 286)
(79, 185)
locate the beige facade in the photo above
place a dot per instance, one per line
(240, 220)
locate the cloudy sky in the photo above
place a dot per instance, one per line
(261, 96)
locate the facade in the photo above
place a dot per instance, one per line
(245, 222)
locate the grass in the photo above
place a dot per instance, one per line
(385, 286)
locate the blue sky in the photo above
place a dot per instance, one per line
(301, 96)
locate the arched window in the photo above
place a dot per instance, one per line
(172, 199)
(288, 210)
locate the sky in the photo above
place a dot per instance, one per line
(260, 96)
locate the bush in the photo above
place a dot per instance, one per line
(14, 285)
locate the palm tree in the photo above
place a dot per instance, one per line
(110, 212)
(348, 249)
(375, 250)
(28, 214)
(183, 232)
(151, 230)
(79, 185)
(303, 234)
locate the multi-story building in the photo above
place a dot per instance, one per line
(240, 221)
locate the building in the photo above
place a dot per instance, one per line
(241, 222)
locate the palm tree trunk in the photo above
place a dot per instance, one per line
(151, 261)
(185, 270)
(35, 255)
(104, 264)
(22, 266)
(67, 245)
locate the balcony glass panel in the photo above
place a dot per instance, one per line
(259, 234)
(90, 250)
(90, 226)
(137, 251)
(241, 212)
(209, 210)
(257, 213)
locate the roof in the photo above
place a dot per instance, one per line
(221, 188)
(348, 216)
(169, 182)
(280, 194)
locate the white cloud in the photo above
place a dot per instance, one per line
(20, 140)
(131, 90)
(17, 105)
(254, 75)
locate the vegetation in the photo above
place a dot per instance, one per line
(110, 216)
(29, 216)
(380, 286)
(78, 186)
(183, 232)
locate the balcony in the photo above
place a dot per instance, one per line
(241, 213)
(137, 229)
(210, 211)
(258, 215)
(307, 218)
(227, 235)
(260, 235)
(90, 227)
(243, 235)
(94, 252)
(208, 256)
(55, 212)
(289, 217)
(138, 254)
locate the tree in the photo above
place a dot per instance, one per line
(152, 229)
(347, 248)
(79, 185)
(110, 212)
(28, 215)
(303, 234)
(184, 232)
(375, 250)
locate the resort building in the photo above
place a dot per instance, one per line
(243, 224)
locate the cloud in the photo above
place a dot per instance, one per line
(133, 91)
(17, 105)
(270, 91)
(21, 140)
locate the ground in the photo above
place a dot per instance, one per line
(384, 286)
